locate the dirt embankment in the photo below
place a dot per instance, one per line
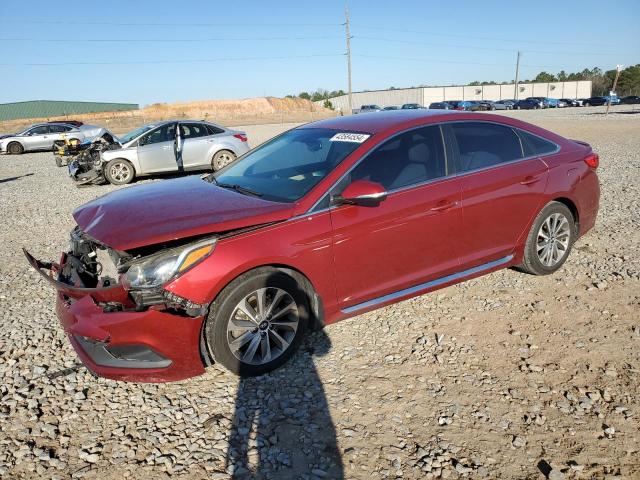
(247, 111)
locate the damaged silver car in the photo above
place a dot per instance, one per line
(165, 147)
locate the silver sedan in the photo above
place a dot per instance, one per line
(42, 136)
(172, 146)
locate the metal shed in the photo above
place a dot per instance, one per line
(55, 108)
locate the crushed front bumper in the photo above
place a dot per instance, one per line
(140, 346)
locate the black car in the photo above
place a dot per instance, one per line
(526, 105)
(440, 106)
(630, 100)
(570, 102)
(410, 106)
(595, 101)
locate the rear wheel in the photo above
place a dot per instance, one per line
(550, 240)
(257, 322)
(119, 171)
(222, 159)
(15, 148)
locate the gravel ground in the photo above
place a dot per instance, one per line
(505, 376)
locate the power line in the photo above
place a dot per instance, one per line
(166, 24)
(474, 47)
(435, 60)
(160, 62)
(170, 40)
(497, 39)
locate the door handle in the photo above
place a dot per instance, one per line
(443, 206)
(529, 180)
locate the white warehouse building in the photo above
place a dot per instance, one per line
(426, 95)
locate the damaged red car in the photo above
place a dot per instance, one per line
(324, 222)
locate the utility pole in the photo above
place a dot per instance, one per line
(515, 96)
(615, 84)
(348, 33)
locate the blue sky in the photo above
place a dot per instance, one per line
(180, 50)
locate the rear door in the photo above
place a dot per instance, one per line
(196, 141)
(157, 149)
(501, 190)
(409, 238)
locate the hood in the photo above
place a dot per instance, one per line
(7, 135)
(158, 212)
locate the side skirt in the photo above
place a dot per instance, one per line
(427, 285)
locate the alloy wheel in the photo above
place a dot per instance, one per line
(222, 159)
(262, 326)
(120, 171)
(552, 242)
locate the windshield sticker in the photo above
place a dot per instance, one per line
(349, 137)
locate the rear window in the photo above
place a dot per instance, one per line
(534, 145)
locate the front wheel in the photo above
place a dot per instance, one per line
(257, 322)
(550, 240)
(119, 171)
(15, 148)
(222, 159)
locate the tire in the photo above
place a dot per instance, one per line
(220, 332)
(557, 220)
(518, 107)
(119, 171)
(15, 148)
(221, 159)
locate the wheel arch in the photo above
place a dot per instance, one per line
(136, 169)
(315, 302)
(573, 208)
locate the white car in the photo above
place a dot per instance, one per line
(172, 146)
(42, 136)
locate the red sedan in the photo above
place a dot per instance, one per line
(324, 222)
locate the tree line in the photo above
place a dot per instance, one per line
(602, 83)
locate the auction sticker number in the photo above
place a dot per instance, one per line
(349, 137)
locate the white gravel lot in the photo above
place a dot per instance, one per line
(505, 376)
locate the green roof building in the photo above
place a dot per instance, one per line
(56, 108)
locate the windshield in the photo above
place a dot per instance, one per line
(287, 167)
(135, 133)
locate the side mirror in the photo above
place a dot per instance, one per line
(361, 192)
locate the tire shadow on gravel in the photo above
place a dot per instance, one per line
(282, 427)
(11, 179)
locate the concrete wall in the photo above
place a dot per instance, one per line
(427, 95)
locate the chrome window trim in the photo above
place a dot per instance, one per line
(446, 177)
(423, 286)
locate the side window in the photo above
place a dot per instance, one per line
(40, 130)
(214, 130)
(59, 128)
(410, 158)
(534, 145)
(193, 130)
(165, 133)
(483, 145)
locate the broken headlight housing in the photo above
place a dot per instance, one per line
(154, 271)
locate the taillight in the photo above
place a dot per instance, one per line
(593, 160)
(241, 136)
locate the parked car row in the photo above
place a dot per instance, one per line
(95, 155)
(528, 103)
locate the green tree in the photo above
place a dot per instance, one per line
(304, 95)
(327, 104)
(545, 77)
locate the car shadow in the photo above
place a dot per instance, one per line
(282, 427)
(11, 179)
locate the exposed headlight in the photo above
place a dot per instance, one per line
(158, 269)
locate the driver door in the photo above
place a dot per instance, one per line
(157, 150)
(38, 138)
(409, 238)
